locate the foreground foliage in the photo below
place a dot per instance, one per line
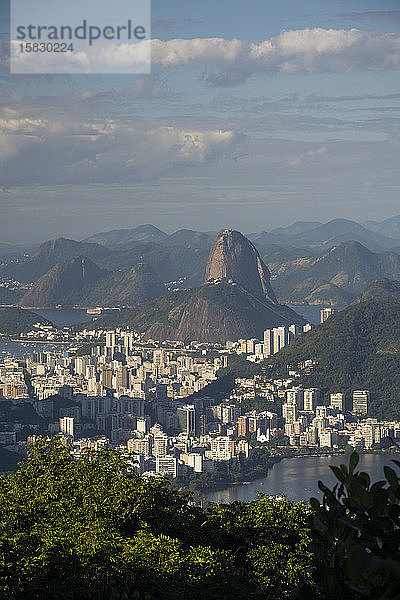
(356, 538)
(88, 529)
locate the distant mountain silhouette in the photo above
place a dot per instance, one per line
(236, 301)
(80, 281)
(143, 233)
(343, 270)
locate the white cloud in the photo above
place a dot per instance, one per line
(291, 52)
(314, 50)
(60, 150)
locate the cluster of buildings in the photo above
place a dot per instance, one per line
(13, 284)
(147, 399)
(273, 340)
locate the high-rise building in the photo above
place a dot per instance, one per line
(143, 424)
(338, 401)
(289, 412)
(110, 339)
(295, 329)
(280, 338)
(160, 444)
(122, 378)
(327, 438)
(195, 461)
(141, 445)
(371, 432)
(230, 413)
(242, 425)
(326, 313)
(187, 419)
(107, 378)
(268, 342)
(311, 399)
(67, 426)
(295, 396)
(251, 345)
(321, 411)
(223, 447)
(361, 400)
(167, 465)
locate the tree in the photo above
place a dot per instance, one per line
(90, 529)
(356, 537)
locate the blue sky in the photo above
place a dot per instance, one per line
(296, 119)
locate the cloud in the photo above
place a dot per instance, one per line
(144, 87)
(229, 62)
(61, 150)
(306, 157)
(291, 52)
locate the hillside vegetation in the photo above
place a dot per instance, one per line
(14, 321)
(358, 348)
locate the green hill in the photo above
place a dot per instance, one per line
(127, 287)
(63, 283)
(381, 290)
(79, 281)
(358, 348)
(14, 321)
(348, 267)
(10, 296)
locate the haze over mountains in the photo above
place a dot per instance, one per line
(337, 275)
(236, 301)
(143, 233)
(321, 236)
(79, 281)
(308, 261)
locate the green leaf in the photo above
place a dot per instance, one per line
(353, 462)
(338, 473)
(391, 476)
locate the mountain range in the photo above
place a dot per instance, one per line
(79, 281)
(143, 233)
(336, 276)
(309, 261)
(236, 301)
(168, 262)
(320, 236)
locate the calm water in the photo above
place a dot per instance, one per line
(23, 349)
(297, 478)
(311, 313)
(64, 317)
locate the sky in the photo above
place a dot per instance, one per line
(255, 115)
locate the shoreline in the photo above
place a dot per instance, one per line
(220, 486)
(35, 341)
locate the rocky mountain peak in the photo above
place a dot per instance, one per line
(234, 257)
